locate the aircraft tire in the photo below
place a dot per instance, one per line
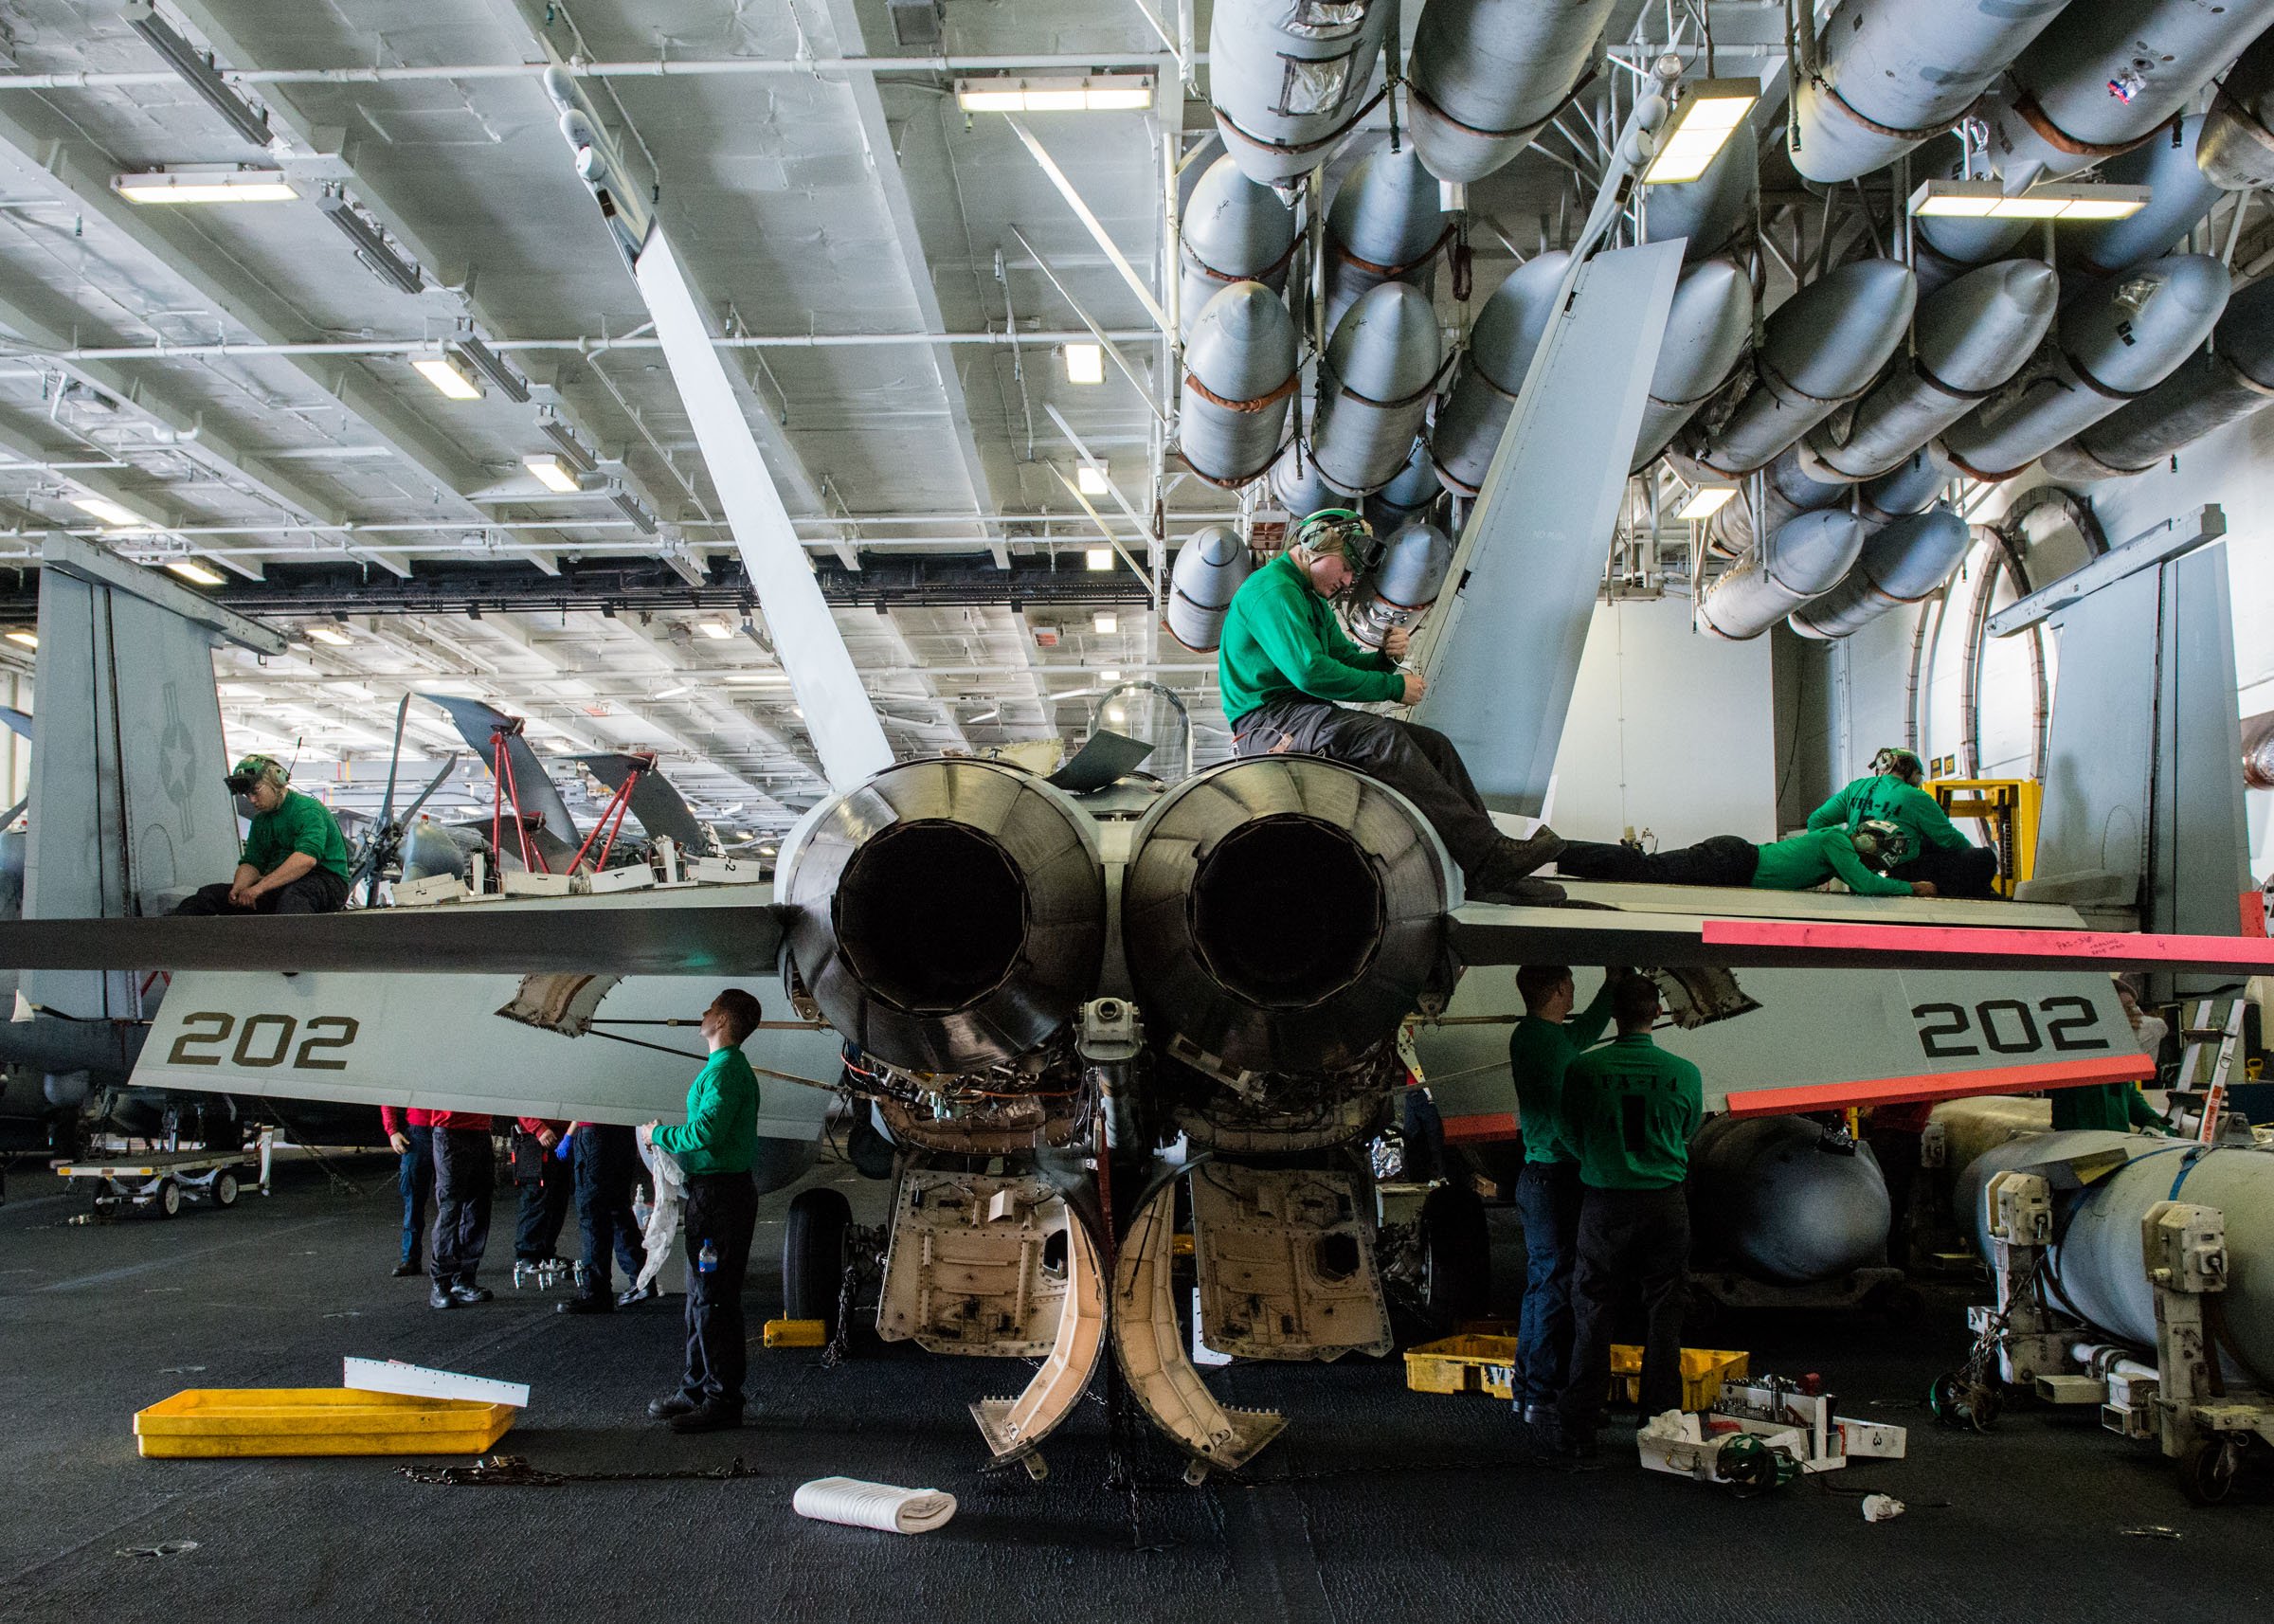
(813, 1256)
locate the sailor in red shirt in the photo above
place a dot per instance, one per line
(411, 1133)
(463, 1177)
(547, 1184)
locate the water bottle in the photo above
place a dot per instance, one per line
(706, 1261)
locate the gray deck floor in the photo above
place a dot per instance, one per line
(1377, 1505)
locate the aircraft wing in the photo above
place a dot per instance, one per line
(476, 723)
(729, 931)
(656, 800)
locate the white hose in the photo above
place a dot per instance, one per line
(880, 1505)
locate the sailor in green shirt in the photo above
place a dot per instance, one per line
(1893, 793)
(1544, 1045)
(2116, 1108)
(715, 1149)
(1284, 663)
(1630, 1109)
(1800, 862)
(294, 859)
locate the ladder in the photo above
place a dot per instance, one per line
(2211, 1032)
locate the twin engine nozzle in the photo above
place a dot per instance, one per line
(1280, 914)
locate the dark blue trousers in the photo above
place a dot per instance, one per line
(1547, 1201)
(416, 1180)
(607, 1158)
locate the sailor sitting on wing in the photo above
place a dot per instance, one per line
(295, 859)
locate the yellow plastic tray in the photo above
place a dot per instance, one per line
(205, 1423)
(1481, 1362)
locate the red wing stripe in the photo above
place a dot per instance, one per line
(2122, 947)
(1942, 1085)
(1480, 1129)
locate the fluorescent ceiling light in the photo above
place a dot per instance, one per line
(205, 186)
(1105, 621)
(197, 69)
(719, 629)
(448, 373)
(331, 635)
(378, 255)
(1709, 111)
(29, 640)
(491, 365)
(1085, 363)
(1109, 677)
(552, 472)
(1086, 93)
(1983, 199)
(1091, 481)
(671, 693)
(190, 570)
(107, 510)
(1705, 501)
(1098, 558)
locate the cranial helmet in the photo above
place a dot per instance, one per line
(1898, 762)
(1880, 843)
(255, 770)
(1335, 531)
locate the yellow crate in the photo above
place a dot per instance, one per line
(797, 1333)
(205, 1423)
(1482, 1362)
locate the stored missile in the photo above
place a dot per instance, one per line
(1209, 569)
(1286, 82)
(1508, 331)
(1949, 245)
(1231, 230)
(2232, 380)
(1374, 386)
(1911, 486)
(2179, 198)
(2121, 341)
(1409, 495)
(1713, 210)
(2098, 1260)
(1802, 559)
(1893, 72)
(1384, 225)
(1786, 1201)
(1297, 485)
(1787, 491)
(1971, 336)
(1705, 331)
(1240, 370)
(1282, 915)
(1821, 348)
(2236, 149)
(947, 916)
(2103, 81)
(1399, 588)
(1901, 564)
(1484, 76)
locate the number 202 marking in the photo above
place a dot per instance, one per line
(262, 1041)
(2007, 1026)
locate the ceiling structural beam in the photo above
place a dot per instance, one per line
(1104, 340)
(1090, 222)
(900, 211)
(587, 344)
(1099, 520)
(931, 693)
(383, 206)
(1097, 465)
(76, 168)
(707, 681)
(148, 400)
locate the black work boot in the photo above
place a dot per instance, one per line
(1513, 858)
(1521, 893)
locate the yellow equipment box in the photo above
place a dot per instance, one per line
(205, 1423)
(1483, 1362)
(797, 1333)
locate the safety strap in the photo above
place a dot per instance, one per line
(1228, 278)
(1415, 92)
(1225, 124)
(1258, 403)
(2026, 108)
(1848, 107)
(1391, 273)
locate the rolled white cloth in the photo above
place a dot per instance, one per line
(859, 1504)
(670, 1184)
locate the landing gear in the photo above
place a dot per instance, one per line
(1456, 1256)
(813, 1258)
(2206, 1466)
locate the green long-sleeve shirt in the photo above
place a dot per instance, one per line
(721, 1134)
(2112, 1108)
(1281, 637)
(1810, 860)
(1632, 1109)
(1539, 1054)
(1884, 796)
(300, 823)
